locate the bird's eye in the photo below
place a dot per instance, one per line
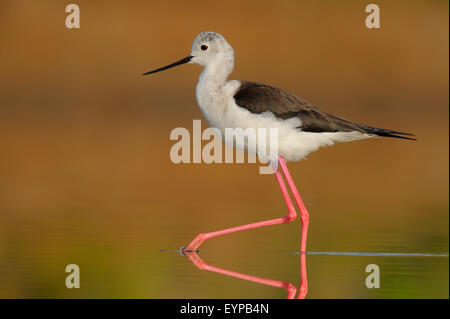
(204, 47)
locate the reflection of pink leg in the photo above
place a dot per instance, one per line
(199, 263)
(287, 219)
(304, 216)
(303, 289)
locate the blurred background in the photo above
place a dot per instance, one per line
(86, 178)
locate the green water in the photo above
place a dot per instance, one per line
(122, 259)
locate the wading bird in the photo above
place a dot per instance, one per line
(302, 128)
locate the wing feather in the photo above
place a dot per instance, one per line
(259, 98)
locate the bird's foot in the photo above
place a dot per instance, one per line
(193, 245)
(184, 250)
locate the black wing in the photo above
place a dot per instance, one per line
(259, 98)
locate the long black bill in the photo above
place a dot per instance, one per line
(182, 61)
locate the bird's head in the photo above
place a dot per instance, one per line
(208, 48)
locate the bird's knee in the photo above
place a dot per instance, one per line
(291, 217)
(305, 219)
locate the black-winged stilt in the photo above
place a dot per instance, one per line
(302, 128)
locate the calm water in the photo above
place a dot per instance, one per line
(119, 259)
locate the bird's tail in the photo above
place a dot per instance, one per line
(387, 133)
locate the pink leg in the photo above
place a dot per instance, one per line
(200, 264)
(287, 219)
(303, 289)
(304, 216)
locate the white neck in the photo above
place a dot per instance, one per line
(210, 93)
(217, 71)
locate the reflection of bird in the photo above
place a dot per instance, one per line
(290, 288)
(301, 128)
